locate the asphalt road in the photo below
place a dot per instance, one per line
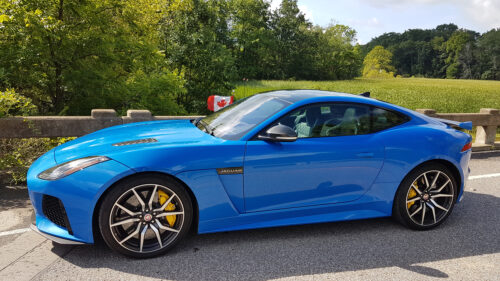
(465, 247)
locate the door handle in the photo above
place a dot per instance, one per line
(365, 155)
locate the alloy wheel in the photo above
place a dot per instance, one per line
(146, 218)
(430, 198)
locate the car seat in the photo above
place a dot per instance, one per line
(308, 127)
(348, 126)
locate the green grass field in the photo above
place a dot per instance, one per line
(443, 95)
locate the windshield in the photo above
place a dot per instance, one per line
(234, 121)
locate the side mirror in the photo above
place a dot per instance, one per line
(279, 133)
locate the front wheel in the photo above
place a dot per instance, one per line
(425, 197)
(145, 216)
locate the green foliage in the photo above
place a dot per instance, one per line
(335, 56)
(455, 44)
(453, 70)
(14, 104)
(378, 64)
(253, 38)
(445, 51)
(443, 95)
(196, 45)
(17, 154)
(489, 54)
(168, 56)
(291, 52)
(72, 56)
(211, 43)
(155, 92)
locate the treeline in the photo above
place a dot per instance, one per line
(168, 56)
(443, 52)
(165, 55)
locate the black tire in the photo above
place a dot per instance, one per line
(424, 211)
(155, 221)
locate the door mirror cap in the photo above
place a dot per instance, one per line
(279, 133)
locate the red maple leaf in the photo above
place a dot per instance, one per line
(221, 103)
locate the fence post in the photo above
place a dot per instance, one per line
(134, 115)
(428, 112)
(486, 134)
(103, 113)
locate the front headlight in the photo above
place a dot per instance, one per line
(68, 168)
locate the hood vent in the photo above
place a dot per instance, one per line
(149, 140)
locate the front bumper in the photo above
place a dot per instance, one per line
(78, 195)
(55, 238)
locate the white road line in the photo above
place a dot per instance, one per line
(484, 176)
(15, 231)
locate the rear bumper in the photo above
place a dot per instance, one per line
(464, 171)
(55, 238)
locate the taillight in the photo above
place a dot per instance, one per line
(467, 146)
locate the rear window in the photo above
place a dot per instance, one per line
(383, 119)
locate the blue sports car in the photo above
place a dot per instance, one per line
(272, 159)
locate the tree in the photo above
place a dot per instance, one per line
(197, 44)
(439, 56)
(445, 30)
(252, 37)
(337, 57)
(289, 27)
(445, 51)
(72, 56)
(454, 46)
(489, 54)
(377, 63)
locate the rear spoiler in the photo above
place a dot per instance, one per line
(456, 125)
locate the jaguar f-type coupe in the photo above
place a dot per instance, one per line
(272, 159)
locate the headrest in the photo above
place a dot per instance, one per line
(349, 114)
(312, 114)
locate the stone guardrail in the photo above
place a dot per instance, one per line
(73, 126)
(487, 121)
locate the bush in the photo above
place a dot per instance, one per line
(16, 155)
(12, 103)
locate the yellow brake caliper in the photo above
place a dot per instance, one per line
(411, 195)
(163, 197)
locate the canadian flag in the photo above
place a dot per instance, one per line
(216, 103)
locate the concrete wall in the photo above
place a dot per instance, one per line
(486, 121)
(73, 126)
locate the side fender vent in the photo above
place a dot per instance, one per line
(149, 140)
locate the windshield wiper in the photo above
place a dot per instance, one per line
(206, 126)
(197, 120)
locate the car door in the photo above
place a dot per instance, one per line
(334, 159)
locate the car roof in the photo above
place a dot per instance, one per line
(294, 96)
(306, 96)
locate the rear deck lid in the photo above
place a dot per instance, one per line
(455, 124)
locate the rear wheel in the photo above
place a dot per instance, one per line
(145, 216)
(426, 197)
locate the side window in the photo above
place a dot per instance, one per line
(383, 119)
(348, 119)
(328, 120)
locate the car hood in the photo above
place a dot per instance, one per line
(164, 134)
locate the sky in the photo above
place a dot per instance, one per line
(373, 18)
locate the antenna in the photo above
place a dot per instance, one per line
(365, 94)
